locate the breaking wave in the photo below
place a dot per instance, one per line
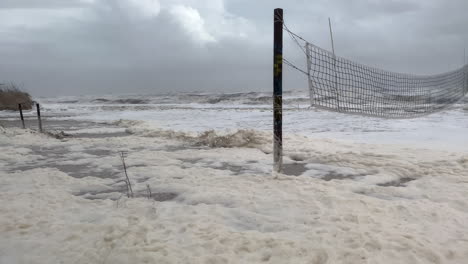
(242, 138)
(249, 98)
(122, 101)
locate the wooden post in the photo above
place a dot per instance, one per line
(278, 90)
(21, 115)
(39, 117)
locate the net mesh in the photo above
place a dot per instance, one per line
(342, 85)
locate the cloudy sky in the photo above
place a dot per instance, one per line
(76, 47)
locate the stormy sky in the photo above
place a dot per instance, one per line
(78, 47)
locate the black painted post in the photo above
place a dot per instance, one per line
(21, 115)
(39, 117)
(278, 90)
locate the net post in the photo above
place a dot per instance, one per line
(20, 107)
(278, 90)
(309, 68)
(465, 75)
(334, 65)
(39, 117)
(331, 36)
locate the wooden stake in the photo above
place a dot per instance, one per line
(21, 115)
(39, 117)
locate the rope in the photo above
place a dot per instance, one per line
(294, 67)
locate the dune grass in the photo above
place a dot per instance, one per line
(11, 96)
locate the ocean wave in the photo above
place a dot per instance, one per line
(122, 101)
(241, 138)
(247, 98)
(68, 102)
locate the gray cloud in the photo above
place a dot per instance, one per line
(104, 46)
(41, 4)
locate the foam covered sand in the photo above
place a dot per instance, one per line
(354, 203)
